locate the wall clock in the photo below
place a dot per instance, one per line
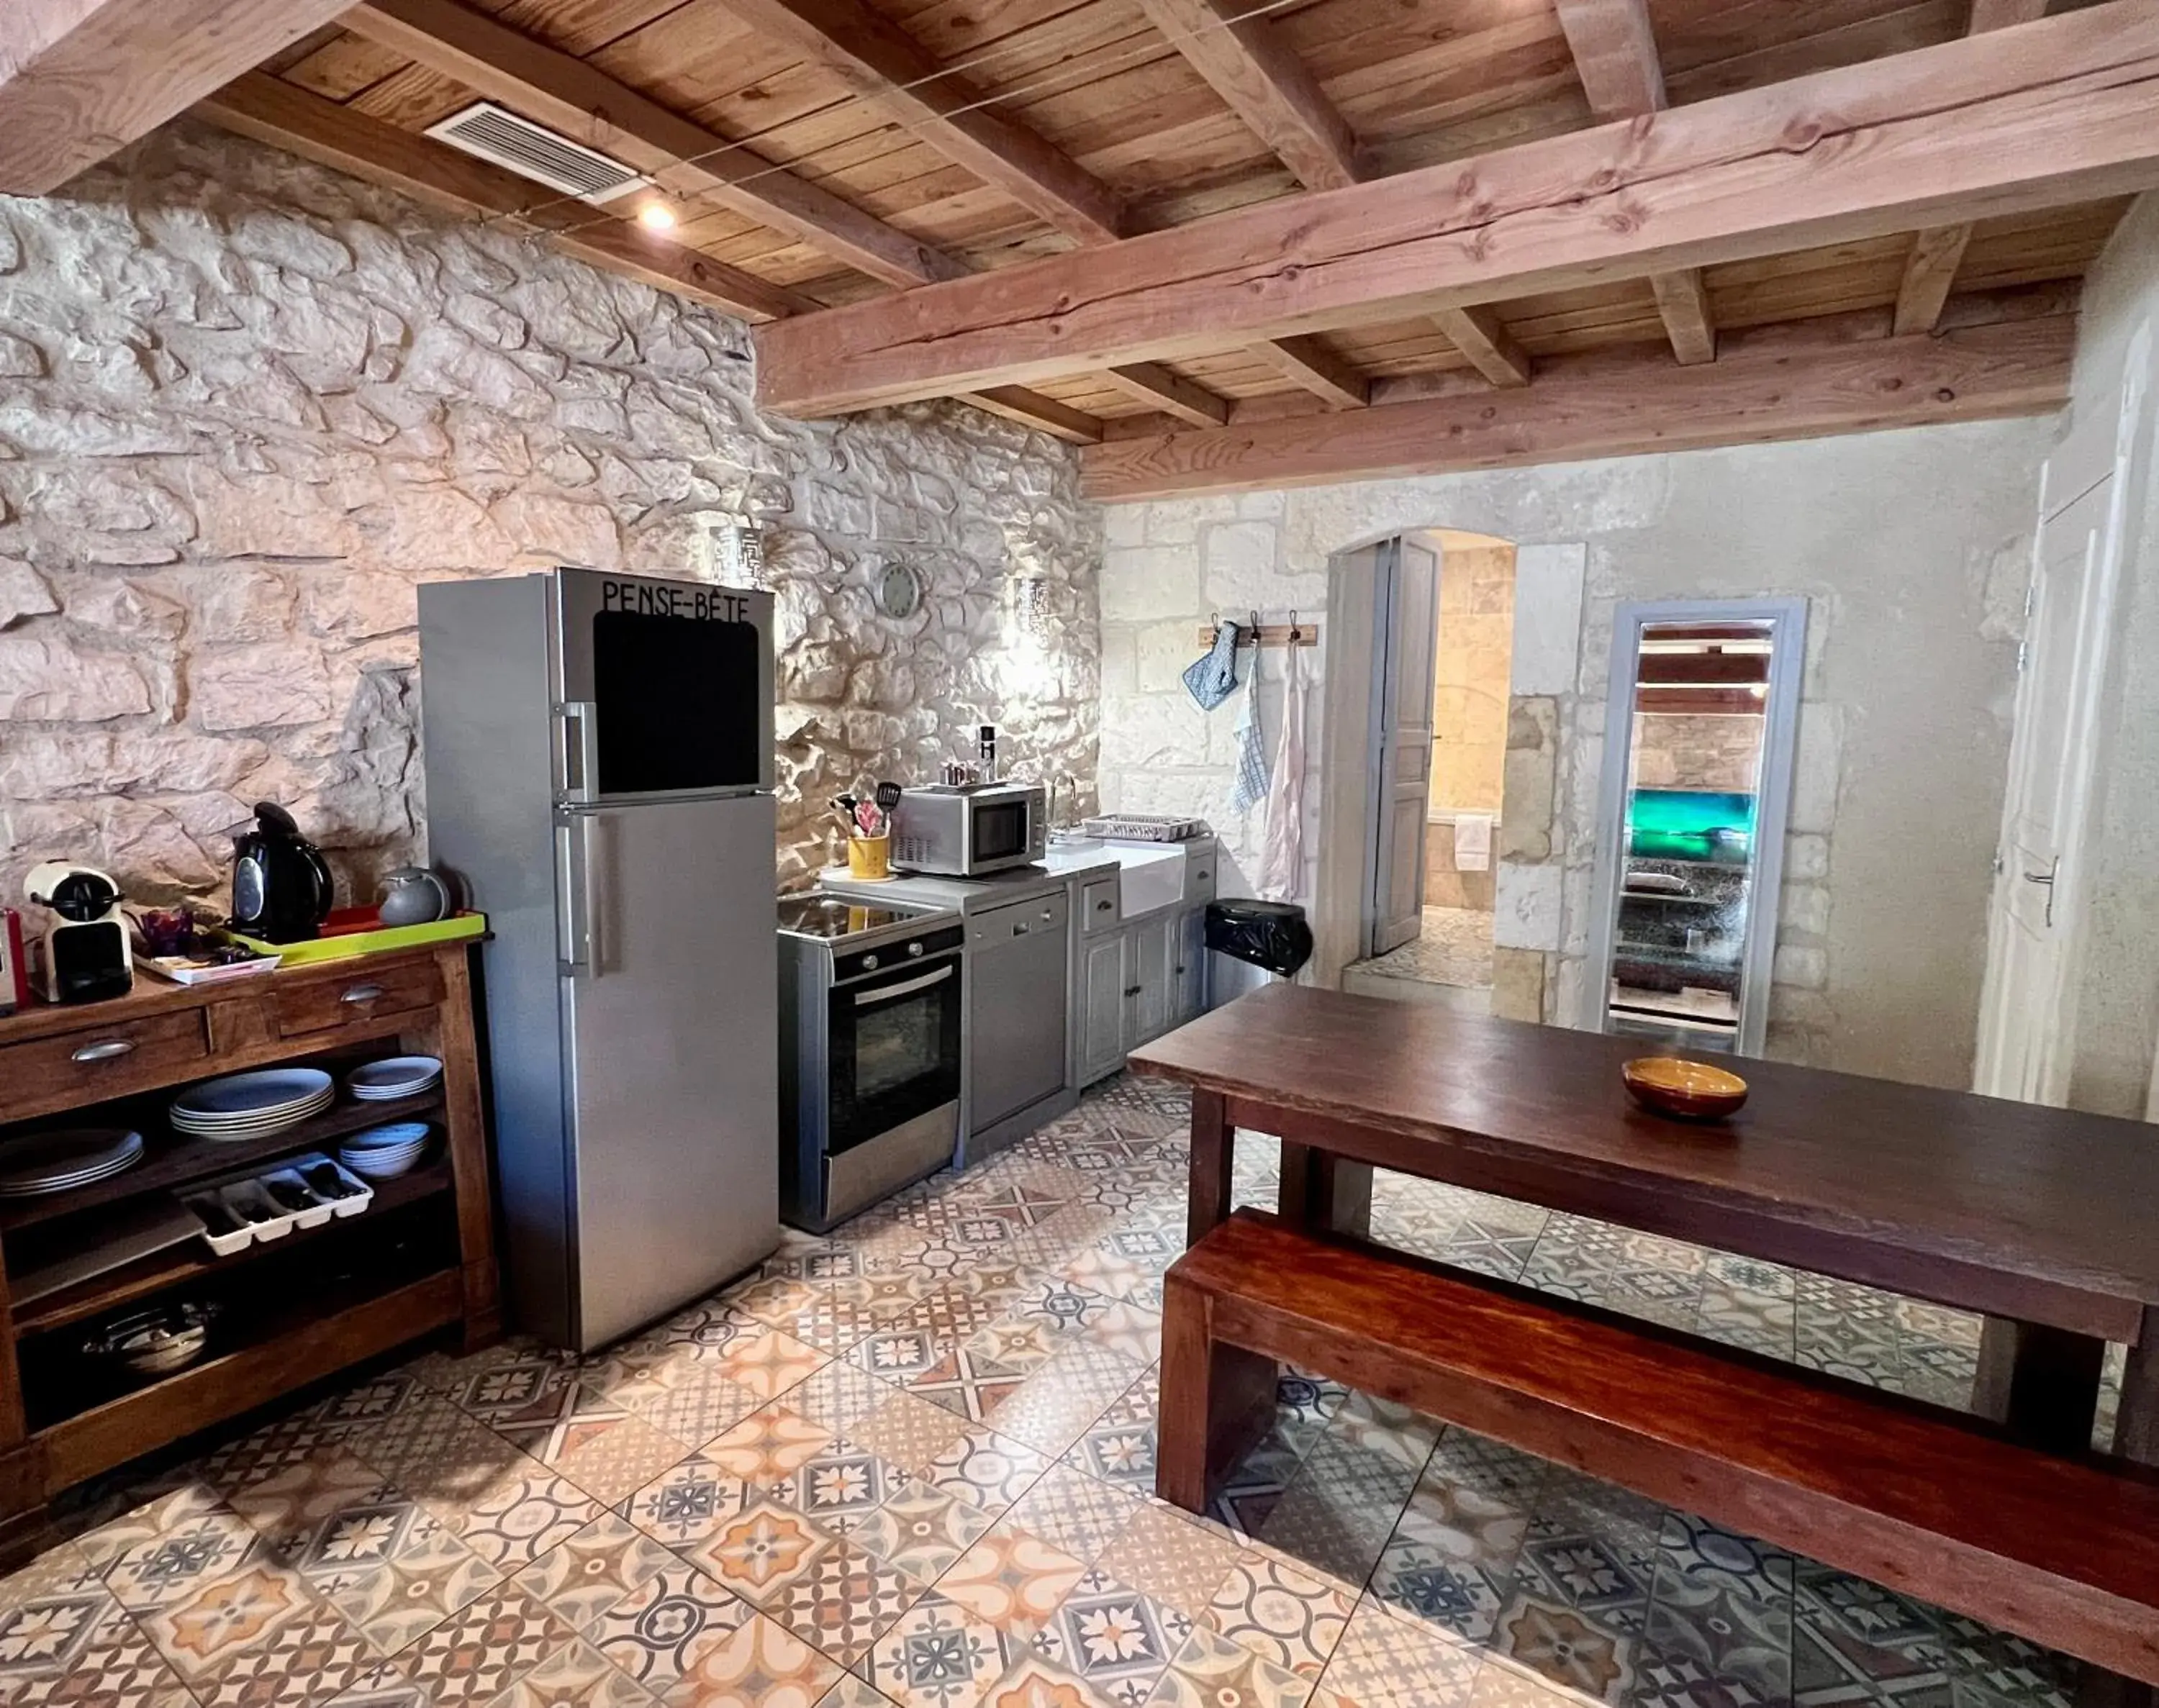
(899, 592)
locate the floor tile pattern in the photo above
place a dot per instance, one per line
(910, 1465)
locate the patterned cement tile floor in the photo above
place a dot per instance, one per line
(910, 1464)
(1453, 946)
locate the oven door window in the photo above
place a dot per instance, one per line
(895, 1049)
(1000, 831)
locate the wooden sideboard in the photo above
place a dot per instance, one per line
(419, 1259)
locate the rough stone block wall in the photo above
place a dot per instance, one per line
(247, 405)
(1697, 750)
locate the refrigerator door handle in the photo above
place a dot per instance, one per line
(573, 895)
(576, 750)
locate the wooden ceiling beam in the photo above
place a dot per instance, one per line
(80, 79)
(1245, 59)
(2062, 110)
(1615, 54)
(1075, 426)
(286, 117)
(1930, 270)
(1171, 393)
(1478, 334)
(1802, 386)
(559, 90)
(1307, 362)
(2001, 14)
(885, 65)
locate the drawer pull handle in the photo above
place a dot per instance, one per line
(1104, 905)
(104, 1050)
(361, 993)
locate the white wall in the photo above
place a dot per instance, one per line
(2117, 1010)
(1911, 549)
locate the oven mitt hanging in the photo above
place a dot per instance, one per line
(1213, 679)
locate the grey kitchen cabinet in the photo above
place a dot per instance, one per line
(1189, 968)
(1154, 952)
(1103, 981)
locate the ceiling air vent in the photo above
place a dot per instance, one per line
(497, 134)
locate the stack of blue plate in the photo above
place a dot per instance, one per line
(383, 1153)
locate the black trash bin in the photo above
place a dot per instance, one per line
(1272, 936)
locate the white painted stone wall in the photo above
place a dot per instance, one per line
(1911, 548)
(2114, 1006)
(247, 405)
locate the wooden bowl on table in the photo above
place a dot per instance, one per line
(1687, 1090)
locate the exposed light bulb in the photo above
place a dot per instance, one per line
(656, 216)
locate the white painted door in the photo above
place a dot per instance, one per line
(2026, 1020)
(1407, 651)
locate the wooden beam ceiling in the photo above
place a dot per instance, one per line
(584, 102)
(1307, 362)
(1245, 59)
(1930, 270)
(1804, 384)
(1615, 54)
(1075, 426)
(81, 79)
(1478, 333)
(288, 117)
(1171, 393)
(885, 66)
(2061, 110)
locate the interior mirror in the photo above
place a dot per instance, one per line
(1699, 735)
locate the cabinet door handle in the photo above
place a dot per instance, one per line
(1104, 905)
(1133, 989)
(104, 1050)
(361, 993)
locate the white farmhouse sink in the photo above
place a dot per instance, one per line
(1149, 878)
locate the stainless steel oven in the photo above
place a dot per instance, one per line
(871, 999)
(965, 831)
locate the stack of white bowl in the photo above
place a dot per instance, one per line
(252, 1105)
(385, 1153)
(394, 1077)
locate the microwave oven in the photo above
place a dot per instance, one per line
(966, 830)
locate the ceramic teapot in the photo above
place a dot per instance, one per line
(413, 895)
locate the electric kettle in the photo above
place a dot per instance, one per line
(281, 886)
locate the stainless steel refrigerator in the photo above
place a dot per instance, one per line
(599, 769)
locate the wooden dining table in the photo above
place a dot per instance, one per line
(2043, 1221)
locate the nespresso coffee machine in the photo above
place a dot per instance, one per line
(86, 958)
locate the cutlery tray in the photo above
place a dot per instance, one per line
(247, 1196)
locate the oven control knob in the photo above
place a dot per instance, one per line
(869, 963)
(914, 948)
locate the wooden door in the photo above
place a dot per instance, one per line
(1406, 652)
(2025, 1016)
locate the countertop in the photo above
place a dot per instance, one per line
(1059, 866)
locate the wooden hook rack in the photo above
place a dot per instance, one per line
(1267, 634)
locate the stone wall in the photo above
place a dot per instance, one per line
(1911, 550)
(247, 405)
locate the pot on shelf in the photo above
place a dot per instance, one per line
(413, 895)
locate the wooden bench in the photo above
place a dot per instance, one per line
(2064, 1551)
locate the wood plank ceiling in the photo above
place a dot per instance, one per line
(821, 152)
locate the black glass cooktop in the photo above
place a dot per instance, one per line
(836, 917)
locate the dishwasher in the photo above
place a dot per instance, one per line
(1017, 971)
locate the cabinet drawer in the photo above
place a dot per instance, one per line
(105, 1061)
(365, 993)
(1098, 905)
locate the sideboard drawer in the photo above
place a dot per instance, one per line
(105, 1061)
(365, 993)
